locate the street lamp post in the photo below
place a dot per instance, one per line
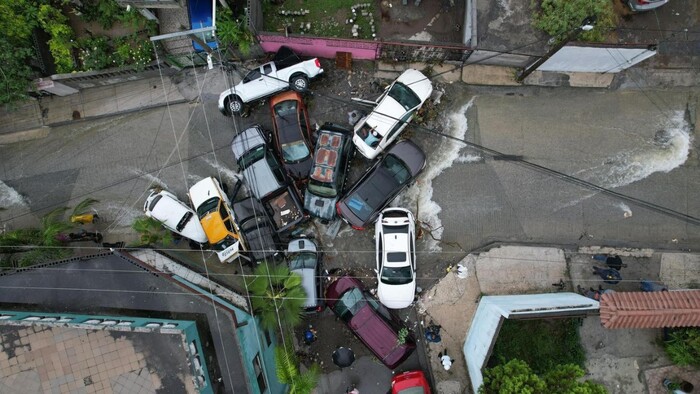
(586, 25)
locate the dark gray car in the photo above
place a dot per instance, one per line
(334, 148)
(256, 228)
(395, 171)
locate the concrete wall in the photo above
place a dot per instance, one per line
(594, 59)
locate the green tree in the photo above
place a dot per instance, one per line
(17, 19)
(559, 17)
(288, 372)
(233, 32)
(516, 377)
(683, 348)
(29, 246)
(151, 231)
(61, 43)
(276, 293)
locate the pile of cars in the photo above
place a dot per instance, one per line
(295, 171)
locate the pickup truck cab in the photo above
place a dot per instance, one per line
(286, 71)
(266, 178)
(214, 211)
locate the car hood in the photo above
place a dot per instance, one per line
(300, 170)
(249, 139)
(396, 296)
(202, 191)
(418, 82)
(261, 180)
(321, 207)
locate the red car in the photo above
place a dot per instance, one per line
(411, 382)
(292, 134)
(369, 320)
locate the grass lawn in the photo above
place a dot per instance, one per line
(326, 17)
(542, 344)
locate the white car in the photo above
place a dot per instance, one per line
(394, 110)
(177, 217)
(395, 235)
(214, 211)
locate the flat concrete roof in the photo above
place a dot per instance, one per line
(40, 358)
(116, 286)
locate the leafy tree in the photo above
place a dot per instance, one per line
(17, 20)
(233, 32)
(288, 372)
(516, 377)
(151, 231)
(684, 346)
(276, 294)
(61, 44)
(37, 245)
(559, 17)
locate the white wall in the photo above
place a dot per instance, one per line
(593, 59)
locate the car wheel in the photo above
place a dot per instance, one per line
(195, 245)
(299, 83)
(234, 105)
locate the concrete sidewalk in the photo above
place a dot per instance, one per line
(34, 118)
(453, 301)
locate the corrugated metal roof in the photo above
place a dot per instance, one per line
(680, 308)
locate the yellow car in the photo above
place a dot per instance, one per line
(214, 211)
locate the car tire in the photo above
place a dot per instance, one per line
(234, 105)
(194, 245)
(299, 83)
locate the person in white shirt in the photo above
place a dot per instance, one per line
(445, 360)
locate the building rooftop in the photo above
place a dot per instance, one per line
(115, 285)
(679, 308)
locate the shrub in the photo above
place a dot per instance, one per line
(95, 53)
(132, 50)
(683, 348)
(233, 32)
(61, 42)
(559, 17)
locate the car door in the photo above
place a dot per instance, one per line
(274, 84)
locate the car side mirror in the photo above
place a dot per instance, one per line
(376, 272)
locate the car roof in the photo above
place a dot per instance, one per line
(326, 156)
(418, 82)
(247, 140)
(385, 115)
(214, 227)
(261, 179)
(246, 209)
(410, 154)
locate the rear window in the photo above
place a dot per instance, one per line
(349, 304)
(183, 222)
(207, 206)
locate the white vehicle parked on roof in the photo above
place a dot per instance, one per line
(175, 215)
(394, 110)
(395, 235)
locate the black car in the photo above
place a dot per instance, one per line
(256, 228)
(292, 134)
(334, 148)
(381, 183)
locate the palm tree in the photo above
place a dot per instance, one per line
(277, 295)
(288, 372)
(37, 245)
(151, 231)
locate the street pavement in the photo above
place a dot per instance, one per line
(639, 142)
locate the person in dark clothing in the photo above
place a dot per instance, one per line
(614, 262)
(610, 276)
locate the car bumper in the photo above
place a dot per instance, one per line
(636, 7)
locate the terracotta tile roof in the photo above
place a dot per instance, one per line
(680, 308)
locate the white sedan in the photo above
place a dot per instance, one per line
(395, 236)
(394, 110)
(177, 217)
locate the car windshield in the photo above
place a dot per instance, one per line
(322, 189)
(404, 96)
(251, 157)
(349, 304)
(396, 257)
(207, 206)
(294, 151)
(396, 275)
(303, 260)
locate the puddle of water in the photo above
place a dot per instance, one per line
(9, 197)
(420, 195)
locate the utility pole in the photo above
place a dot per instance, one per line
(586, 25)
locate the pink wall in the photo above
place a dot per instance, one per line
(321, 47)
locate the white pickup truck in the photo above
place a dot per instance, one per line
(285, 71)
